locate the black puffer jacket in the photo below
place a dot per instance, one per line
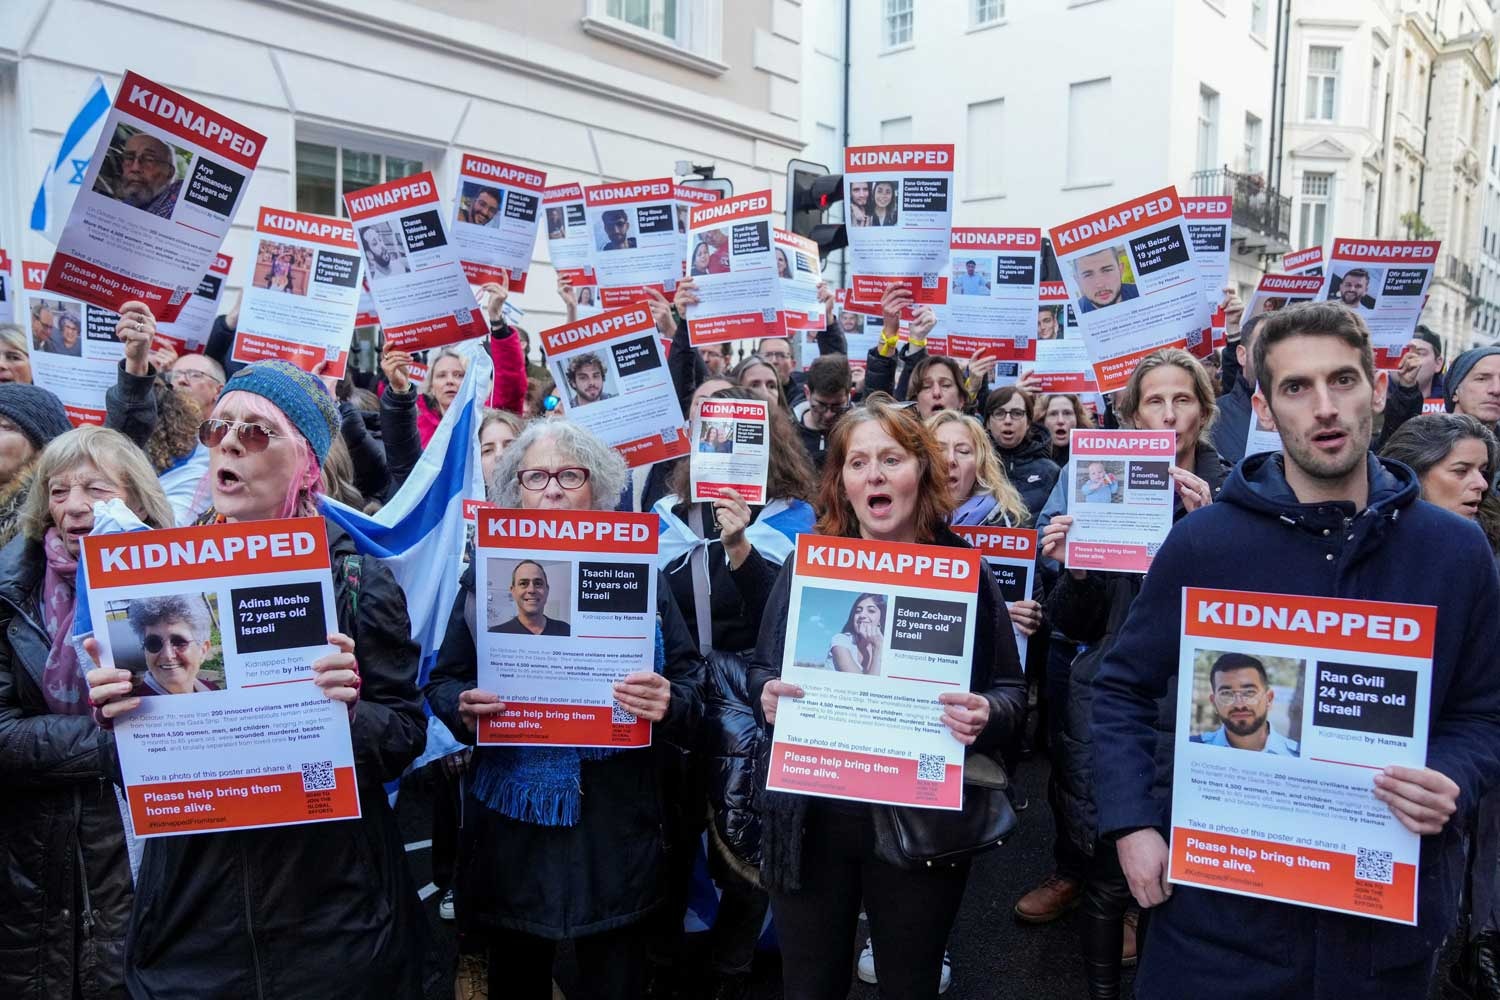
(605, 872)
(1030, 470)
(318, 911)
(731, 742)
(64, 876)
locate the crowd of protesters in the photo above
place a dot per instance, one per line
(1368, 498)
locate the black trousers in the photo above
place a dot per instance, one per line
(910, 911)
(611, 965)
(1101, 932)
(1067, 859)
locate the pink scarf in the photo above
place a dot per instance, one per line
(63, 685)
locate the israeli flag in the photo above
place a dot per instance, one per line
(64, 175)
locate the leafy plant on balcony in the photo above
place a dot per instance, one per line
(1416, 229)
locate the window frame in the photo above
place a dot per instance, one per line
(1306, 201)
(975, 23)
(426, 159)
(974, 190)
(703, 50)
(1259, 12)
(888, 43)
(1206, 155)
(1313, 82)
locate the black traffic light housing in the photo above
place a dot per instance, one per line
(811, 192)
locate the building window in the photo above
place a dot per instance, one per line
(984, 142)
(1322, 82)
(1208, 128)
(1376, 84)
(1252, 144)
(1258, 18)
(683, 31)
(897, 22)
(895, 130)
(1091, 144)
(1316, 191)
(326, 173)
(983, 12)
(1369, 207)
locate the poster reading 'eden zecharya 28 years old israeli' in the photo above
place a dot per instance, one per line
(876, 631)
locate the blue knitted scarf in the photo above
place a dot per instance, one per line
(540, 785)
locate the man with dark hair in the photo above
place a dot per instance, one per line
(827, 387)
(1047, 327)
(529, 591)
(1242, 699)
(1418, 378)
(969, 281)
(1101, 281)
(1325, 519)
(585, 376)
(484, 207)
(1353, 289)
(617, 230)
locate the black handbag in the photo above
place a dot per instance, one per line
(921, 838)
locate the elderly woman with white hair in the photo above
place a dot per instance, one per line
(174, 630)
(560, 843)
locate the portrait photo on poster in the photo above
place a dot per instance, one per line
(57, 327)
(480, 204)
(616, 230)
(1244, 701)
(170, 643)
(884, 203)
(529, 597)
(1105, 278)
(143, 170)
(1100, 481)
(717, 437)
(282, 267)
(384, 252)
(972, 276)
(557, 223)
(591, 378)
(841, 630)
(1358, 287)
(710, 253)
(1049, 323)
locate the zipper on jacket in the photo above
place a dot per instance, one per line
(87, 916)
(260, 988)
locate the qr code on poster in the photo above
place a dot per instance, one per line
(932, 767)
(463, 316)
(768, 315)
(317, 776)
(1152, 548)
(618, 716)
(1373, 866)
(930, 280)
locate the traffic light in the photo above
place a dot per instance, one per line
(810, 192)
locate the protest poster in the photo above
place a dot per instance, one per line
(994, 279)
(1309, 261)
(420, 291)
(612, 378)
(799, 271)
(687, 196)
(899, 211)
(1062, 362)
(569, 609)
(571, 245)
(731, 449)
(1287, 706)
(7, 289)
(188, 333)
(1277, 291)
(861, 328)
(364, 312)
(1261, 435)
(155, 203)
(1134, 281)
(1011, 555)
(219, 626)
(735, 266)
(1435, 404)
(875, 632)
(1386, 282)
(1120, 497)
(1210, 225)
(637, 230)
(495, 216)
(74, 350)
(301, 298)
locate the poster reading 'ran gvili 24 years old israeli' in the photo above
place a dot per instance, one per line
(1287, 708)
(219, 626)
(876, 631)
(155, 203)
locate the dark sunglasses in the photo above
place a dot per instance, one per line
(155, 644)
(252, 437)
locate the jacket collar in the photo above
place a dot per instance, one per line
(21, 566)
(1033, 446)
(1258, 484)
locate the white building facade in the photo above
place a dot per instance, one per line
(1487, 309)
(1063, 107)
(354, 92)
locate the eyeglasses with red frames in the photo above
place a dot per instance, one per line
(252, 437)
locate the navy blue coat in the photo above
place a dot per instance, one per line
(1258, 537)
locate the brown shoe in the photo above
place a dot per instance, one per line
(1055, 896)
(472, 981)
(1128, 952)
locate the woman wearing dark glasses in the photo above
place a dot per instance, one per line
(314, 911)
(560, 844)
(64, 876)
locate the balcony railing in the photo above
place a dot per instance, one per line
(1460, 273)
(1262, 217)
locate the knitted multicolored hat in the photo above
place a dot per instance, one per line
(298, 394)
